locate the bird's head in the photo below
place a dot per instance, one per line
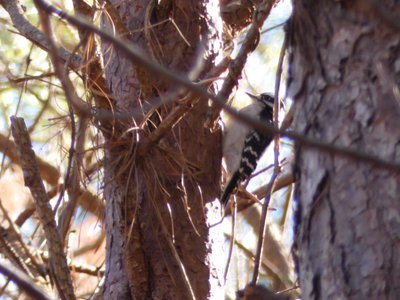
(266, 98)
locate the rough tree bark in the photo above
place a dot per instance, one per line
(344, 74)
(180, 172)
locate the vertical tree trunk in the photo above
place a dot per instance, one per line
(345, 72)
(157, 234)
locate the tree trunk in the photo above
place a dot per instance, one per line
(158, 242)
(345, 70)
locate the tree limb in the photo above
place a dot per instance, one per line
(58, 261)
(23, 282)
(32, 33)
(157, 70)
(236, 66)
(47, 171)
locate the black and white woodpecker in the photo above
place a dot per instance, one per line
(243, 146)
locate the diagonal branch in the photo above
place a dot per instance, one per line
(47, 171)
(185, 105)
(22, 281)
(94, 79)
(32, 33)
(93, 67)
(236, 67)
(276, 171)
(58, 261)
(170, 76)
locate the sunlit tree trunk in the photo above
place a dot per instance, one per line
(158, 242)
(345, 74)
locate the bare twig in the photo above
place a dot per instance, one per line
(80, 268)
(87, 200)
(157, 70)
(236, 66)
(47, 171)
(71, 150)
(73, 185)
(91, 246)
(273, 27)
(30, 77)
(262, 230)
(283, 180)
(294, 287)
(267, 265)
(263, 219)
(94, 70)
(75, 104)
(232, 237)
(185, 106)
(32, 33)
(58, 262)
(78, 105)
(11, 253)
(23, 216)
(17, 235)
(22, 281)
(43, 109)
(248, 199)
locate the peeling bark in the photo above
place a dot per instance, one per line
(345, 67)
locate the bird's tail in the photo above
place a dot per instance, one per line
(232, 184)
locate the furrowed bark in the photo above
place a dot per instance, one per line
(345, 72)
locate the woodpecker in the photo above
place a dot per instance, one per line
(252, 144)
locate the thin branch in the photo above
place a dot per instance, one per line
(273, 27)
(267, 265)
(76, 267)
(236, 66)
(262, 230)
(47, 171)
(71, 150)
(87, 200)
(185, 105)
(15, 233)
(22, 281)
(162, 72)
(76, 103)
(30, 77)
(58, 262)
(11, 253)
(232, 239)
(25, 215)
(94, 70)
(73, 185)
(43, 109)
(283, 180)
(263, 219)
(32, 33)
(92, 246)
(248, 199)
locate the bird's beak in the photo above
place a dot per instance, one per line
(258, 98)
(252, 96)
